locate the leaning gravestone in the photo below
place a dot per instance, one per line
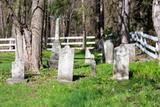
(88, 56)
(108, 51)
(121, 63)
(17, 72)
(89, 59)
(65, 64)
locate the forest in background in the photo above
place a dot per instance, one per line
(70, 12)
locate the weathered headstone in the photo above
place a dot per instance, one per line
(65, 64)
(57, 28)
(121, 63)
(108, 51)
(132, 51)
(56, 44)
(89, 59)
(88, 56)
(53, 61)
(17, 72)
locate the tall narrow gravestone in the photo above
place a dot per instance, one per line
(65, 64)
(121, 63)
(108, 51)
(17, 72)
(53, 61)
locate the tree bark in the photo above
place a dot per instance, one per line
(84, 25)
(36, 29)
(124, 20)
(156, 21)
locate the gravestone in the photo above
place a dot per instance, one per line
(65, 64)
(17, 72)
(121, 63)
(88, 56)
(53, 61)
(132, 51)
(89, 59)
(108, 51)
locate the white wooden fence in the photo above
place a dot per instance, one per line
(147, 43)
(8, 44)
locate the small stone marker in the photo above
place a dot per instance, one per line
(17, 72)
(65, 64)
(121, 63)
(88, 56)
(108, 51)
(89, 59)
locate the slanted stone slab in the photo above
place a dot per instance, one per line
(108, 51)
(132, 51)
(17, 72)
(88, 56)
(89, 59)
(121, 63)
(65, 64)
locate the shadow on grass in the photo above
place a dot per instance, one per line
(78, 77)
(81, 66)
(130, 74)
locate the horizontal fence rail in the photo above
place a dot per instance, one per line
(7, 44)
(76, 42)
(147, 43)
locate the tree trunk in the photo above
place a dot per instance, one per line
(1, 21)
(36, 29)
(156, 21)
(124, 20)
(84, 25)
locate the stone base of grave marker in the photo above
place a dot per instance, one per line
(17, 72)
(121, 63)
(56, 47)
(53, 61)
(108, 51)
(65, 64)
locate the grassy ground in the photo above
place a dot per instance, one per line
(142, 90)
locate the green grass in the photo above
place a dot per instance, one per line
(142, 90)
